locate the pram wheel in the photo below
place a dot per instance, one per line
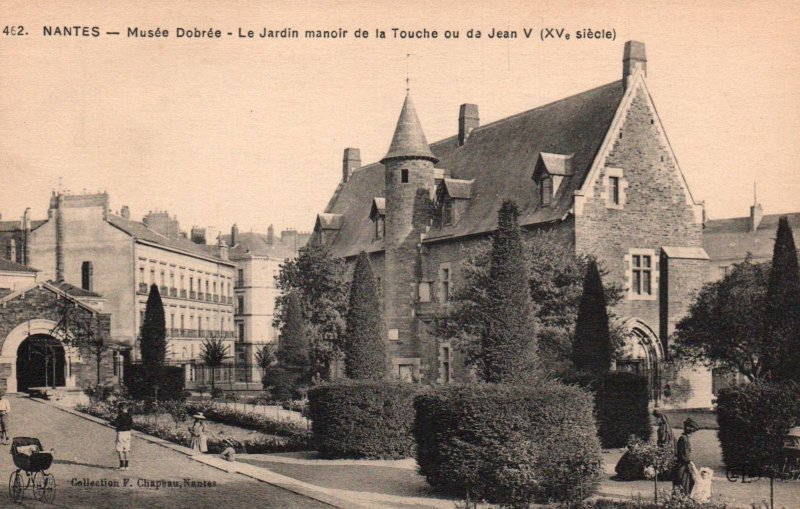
(15, 488)
(38, 485)
(49, 493)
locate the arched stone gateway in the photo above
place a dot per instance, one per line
(33, 347)
(643, 354)
(32, 339)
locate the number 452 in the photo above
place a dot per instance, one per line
(14, 30)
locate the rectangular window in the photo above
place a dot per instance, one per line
(141, 275)
(446, 364)
(613, 184)
(191, 284)
(447, 211)
(546, 191)
(240, 277)
(172, 280)
(241, 332)
(404, 176)
(642, 273)
(405, 372)
(172, 320)
(182, 323)
(445, 285)
(240, 304)
(152, 276)
(163, 278)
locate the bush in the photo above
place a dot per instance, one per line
(363, 419)
(753, 420)
(250, 420)
(217, 393)
(140, 385)
(282, 383)
(508, 444)
(621, 405)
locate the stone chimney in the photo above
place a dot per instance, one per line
(350, 162)
(161, 222)
(289, 238)
(198, 235)
(270, 234)
(125, 212)
(468, 120)
(223, 250)
(234, 235)
(756, 215)
(632, 58)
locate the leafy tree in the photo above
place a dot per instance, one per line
(782, 310)
(80, 328)
(508, 332)
(724, 328)
(364, 348)
(213, 353)
(592, 351)
(557, 275)
(319, 279)
(556, 283)
(153, 335)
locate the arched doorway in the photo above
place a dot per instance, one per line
(41, 362)
(642, 354)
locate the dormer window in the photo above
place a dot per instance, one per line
(380, 227)
(377, 215)
(546, 191)
(452, 198)
(550, 171)
(447, 211)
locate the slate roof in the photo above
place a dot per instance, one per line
(409, 139)
(140, 231)
(10, 226)
(257, 244)
(500, 157)
(73, 290)
(731, 239)
(9, 266)
(458, 189)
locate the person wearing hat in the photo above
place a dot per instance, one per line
(123, 424)
(198, 432)
(683, 479)
(5, 409)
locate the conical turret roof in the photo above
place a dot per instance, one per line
(409, 140)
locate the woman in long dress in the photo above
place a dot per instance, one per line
(198, 432)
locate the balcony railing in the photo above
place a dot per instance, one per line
(183, 294)
(230, 300)
(200, 296)
(216, 298)
(192, 295)
(173, 292)
(164, 290)
(142, 288)
(208, 297)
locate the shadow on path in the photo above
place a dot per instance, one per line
(79, 464)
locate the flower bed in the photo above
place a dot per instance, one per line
(250, 420)
(266, 443)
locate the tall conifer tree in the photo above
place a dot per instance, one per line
(592, 350)
(508, 336)
(365, 350)
(153, 343)
(782, 314)
(293, 346)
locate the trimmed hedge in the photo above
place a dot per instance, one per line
(753, 419)
(508, 444)
(621, 406)
(140, 386)
(363, 419)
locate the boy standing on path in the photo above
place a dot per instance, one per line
(123, 423)
(5, 409)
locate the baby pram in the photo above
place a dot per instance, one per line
(31, 473)
(791, 454)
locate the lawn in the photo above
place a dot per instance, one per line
(704, 417)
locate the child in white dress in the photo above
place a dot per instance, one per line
(701, 492)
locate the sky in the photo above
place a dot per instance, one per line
(251, 131)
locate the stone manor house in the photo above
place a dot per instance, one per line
(596, 168)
